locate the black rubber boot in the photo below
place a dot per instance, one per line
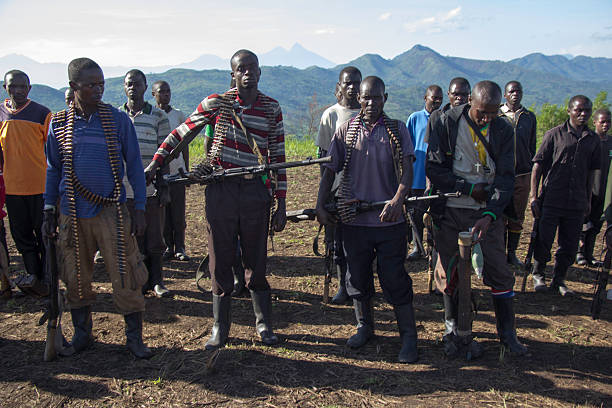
(83, 324)
(589, 245)
(539, 278)
(450, 325)
(341, 296)
(365, 324)
(33, 265)
(156, 280)
(262, 307)
(239, 283)
(222, 313)
(133, 334)
(408, 333)
(513, 241)
(506, 329)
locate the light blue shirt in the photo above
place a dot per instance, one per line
(417, 126)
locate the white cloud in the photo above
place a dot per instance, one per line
(384, 16)
(436, 24)
(325, 31)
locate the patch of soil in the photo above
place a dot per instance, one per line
(570, 362)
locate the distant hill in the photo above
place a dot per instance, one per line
(580, 68)
(55, 74)
(406, 77)
(297, 56)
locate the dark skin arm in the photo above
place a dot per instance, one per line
(394, 209)
(279, 219)
(590, 181)
(327, 180)
(536, 176)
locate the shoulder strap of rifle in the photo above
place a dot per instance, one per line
(478, 133)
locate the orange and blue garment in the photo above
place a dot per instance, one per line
(23, 133)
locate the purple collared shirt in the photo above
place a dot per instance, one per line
(371, 167)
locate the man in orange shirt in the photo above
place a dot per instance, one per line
(23, 133)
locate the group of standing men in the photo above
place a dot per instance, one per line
(82, 170)
(103, 191)
(486, 151)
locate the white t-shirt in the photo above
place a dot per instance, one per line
(333, 117)
(176, 117)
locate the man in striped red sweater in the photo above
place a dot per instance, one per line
(248, 131)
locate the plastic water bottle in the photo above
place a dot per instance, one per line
(477, 260)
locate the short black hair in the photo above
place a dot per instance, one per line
(159, 83)
(16, 73)
(513, 82)
(375, 81)
(432, 89)
(78, 65)
(487, 92)
(579, 98)
(242, 52)
(349, 70)
(602, 111)
(459, 81)
(136, 72)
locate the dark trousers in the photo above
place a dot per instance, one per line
(174, 230)
(25, 213)
(152, 242)
(496, 273)
(520, 197)
(333, 238)
(569, 223)
(418, 208)
(237, 208)
(388, 246)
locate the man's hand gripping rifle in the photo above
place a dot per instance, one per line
(360, 207)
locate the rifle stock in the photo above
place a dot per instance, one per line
(53, 309)
(599, 295)
(529, 256)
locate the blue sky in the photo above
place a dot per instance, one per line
(158, 32)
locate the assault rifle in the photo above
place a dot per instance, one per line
(55, 344)
(360, 206)
(529, 256)
(219, 175)
(601, 283)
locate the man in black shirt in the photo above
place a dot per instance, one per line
(566, 161)
(593, 222)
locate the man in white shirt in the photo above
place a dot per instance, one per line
(347, 90)
(174, 230)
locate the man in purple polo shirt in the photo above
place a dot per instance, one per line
(375, 154)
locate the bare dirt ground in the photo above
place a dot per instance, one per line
(570, 365)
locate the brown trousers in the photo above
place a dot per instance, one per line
(101, 232)
(496, 273)
(522, 185)
(238, 208)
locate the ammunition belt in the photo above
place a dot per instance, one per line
(63, 127)
(222, 125)
(346, 208)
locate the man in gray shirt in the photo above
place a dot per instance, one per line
(375, 154)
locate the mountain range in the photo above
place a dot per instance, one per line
(54, 74)
(303, 93)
